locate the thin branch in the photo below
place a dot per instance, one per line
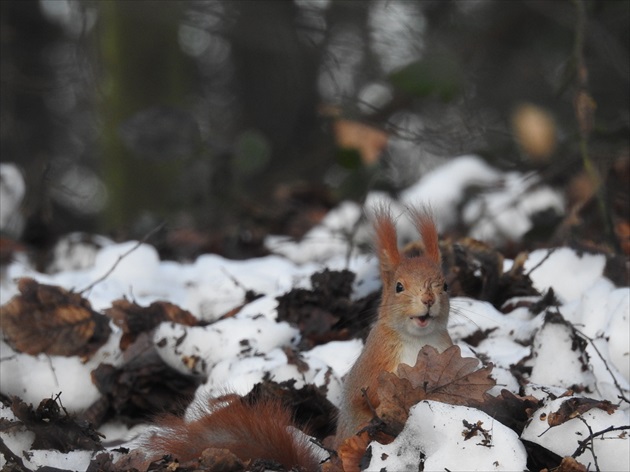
(590, 446)
(52, 370)
(122, 256)
(549, 253)
(235, 281)
(621, 395)
(583, 444)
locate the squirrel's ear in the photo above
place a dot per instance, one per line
(423, 220)
(386, 241)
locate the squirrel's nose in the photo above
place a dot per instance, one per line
(428, 300)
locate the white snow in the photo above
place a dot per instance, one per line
(33, 378)
(225, 339)
(564, 370)
(611, 449)
(444, 187)
(437, 430)
(237, 352)
(12, 191)
(584, 271)
(502, 213)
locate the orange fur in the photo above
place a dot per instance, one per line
(424, 223)
(386, 242)
(259, 431)
(413, 313)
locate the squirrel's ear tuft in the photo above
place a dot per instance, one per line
(422, 218)
(386, 241)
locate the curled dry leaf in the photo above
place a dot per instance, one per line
(135, 319)
(139, 388)
(445, 377)
(327, 312)
(574, 407)
(568, 464)
(352, 452)
(472, 430)
(48, 319)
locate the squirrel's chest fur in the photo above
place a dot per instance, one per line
(408, 353)
(410, 347)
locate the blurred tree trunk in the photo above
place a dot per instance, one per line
(276, 72)
(143, 66)
(27, 131)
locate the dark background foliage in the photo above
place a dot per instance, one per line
(220, 117)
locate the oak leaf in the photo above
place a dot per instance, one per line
(51, 320)
(446, 377)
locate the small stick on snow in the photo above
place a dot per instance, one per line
(583, 444)
(122, 256)
(621, 395)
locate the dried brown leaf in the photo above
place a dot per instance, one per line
(445, 377)
(352, 451)
(535, 131)
(134, 319)
(140, 388)
(396, 396)
(220, 459)
(514, 411)
(54, 428)
(327, 312)
(448, 377)
(574, 407)
(49, 319)
(368, 140)
(568, 464)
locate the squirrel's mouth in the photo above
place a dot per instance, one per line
(422, 321)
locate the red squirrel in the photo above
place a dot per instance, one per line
(413, 312)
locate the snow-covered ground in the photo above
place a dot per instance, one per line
(238, 351)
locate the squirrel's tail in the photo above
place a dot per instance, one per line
(263, 430)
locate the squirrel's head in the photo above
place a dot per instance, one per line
(415, 299)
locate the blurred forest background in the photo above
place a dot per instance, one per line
(230, 120)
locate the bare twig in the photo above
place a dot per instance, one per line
(549, 253)
(235, 281)
(590, 446)
(122, 256)
(52, 370)
(583, 444)
(621, 395)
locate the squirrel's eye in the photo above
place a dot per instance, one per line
(399, 287)
(445, 287)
